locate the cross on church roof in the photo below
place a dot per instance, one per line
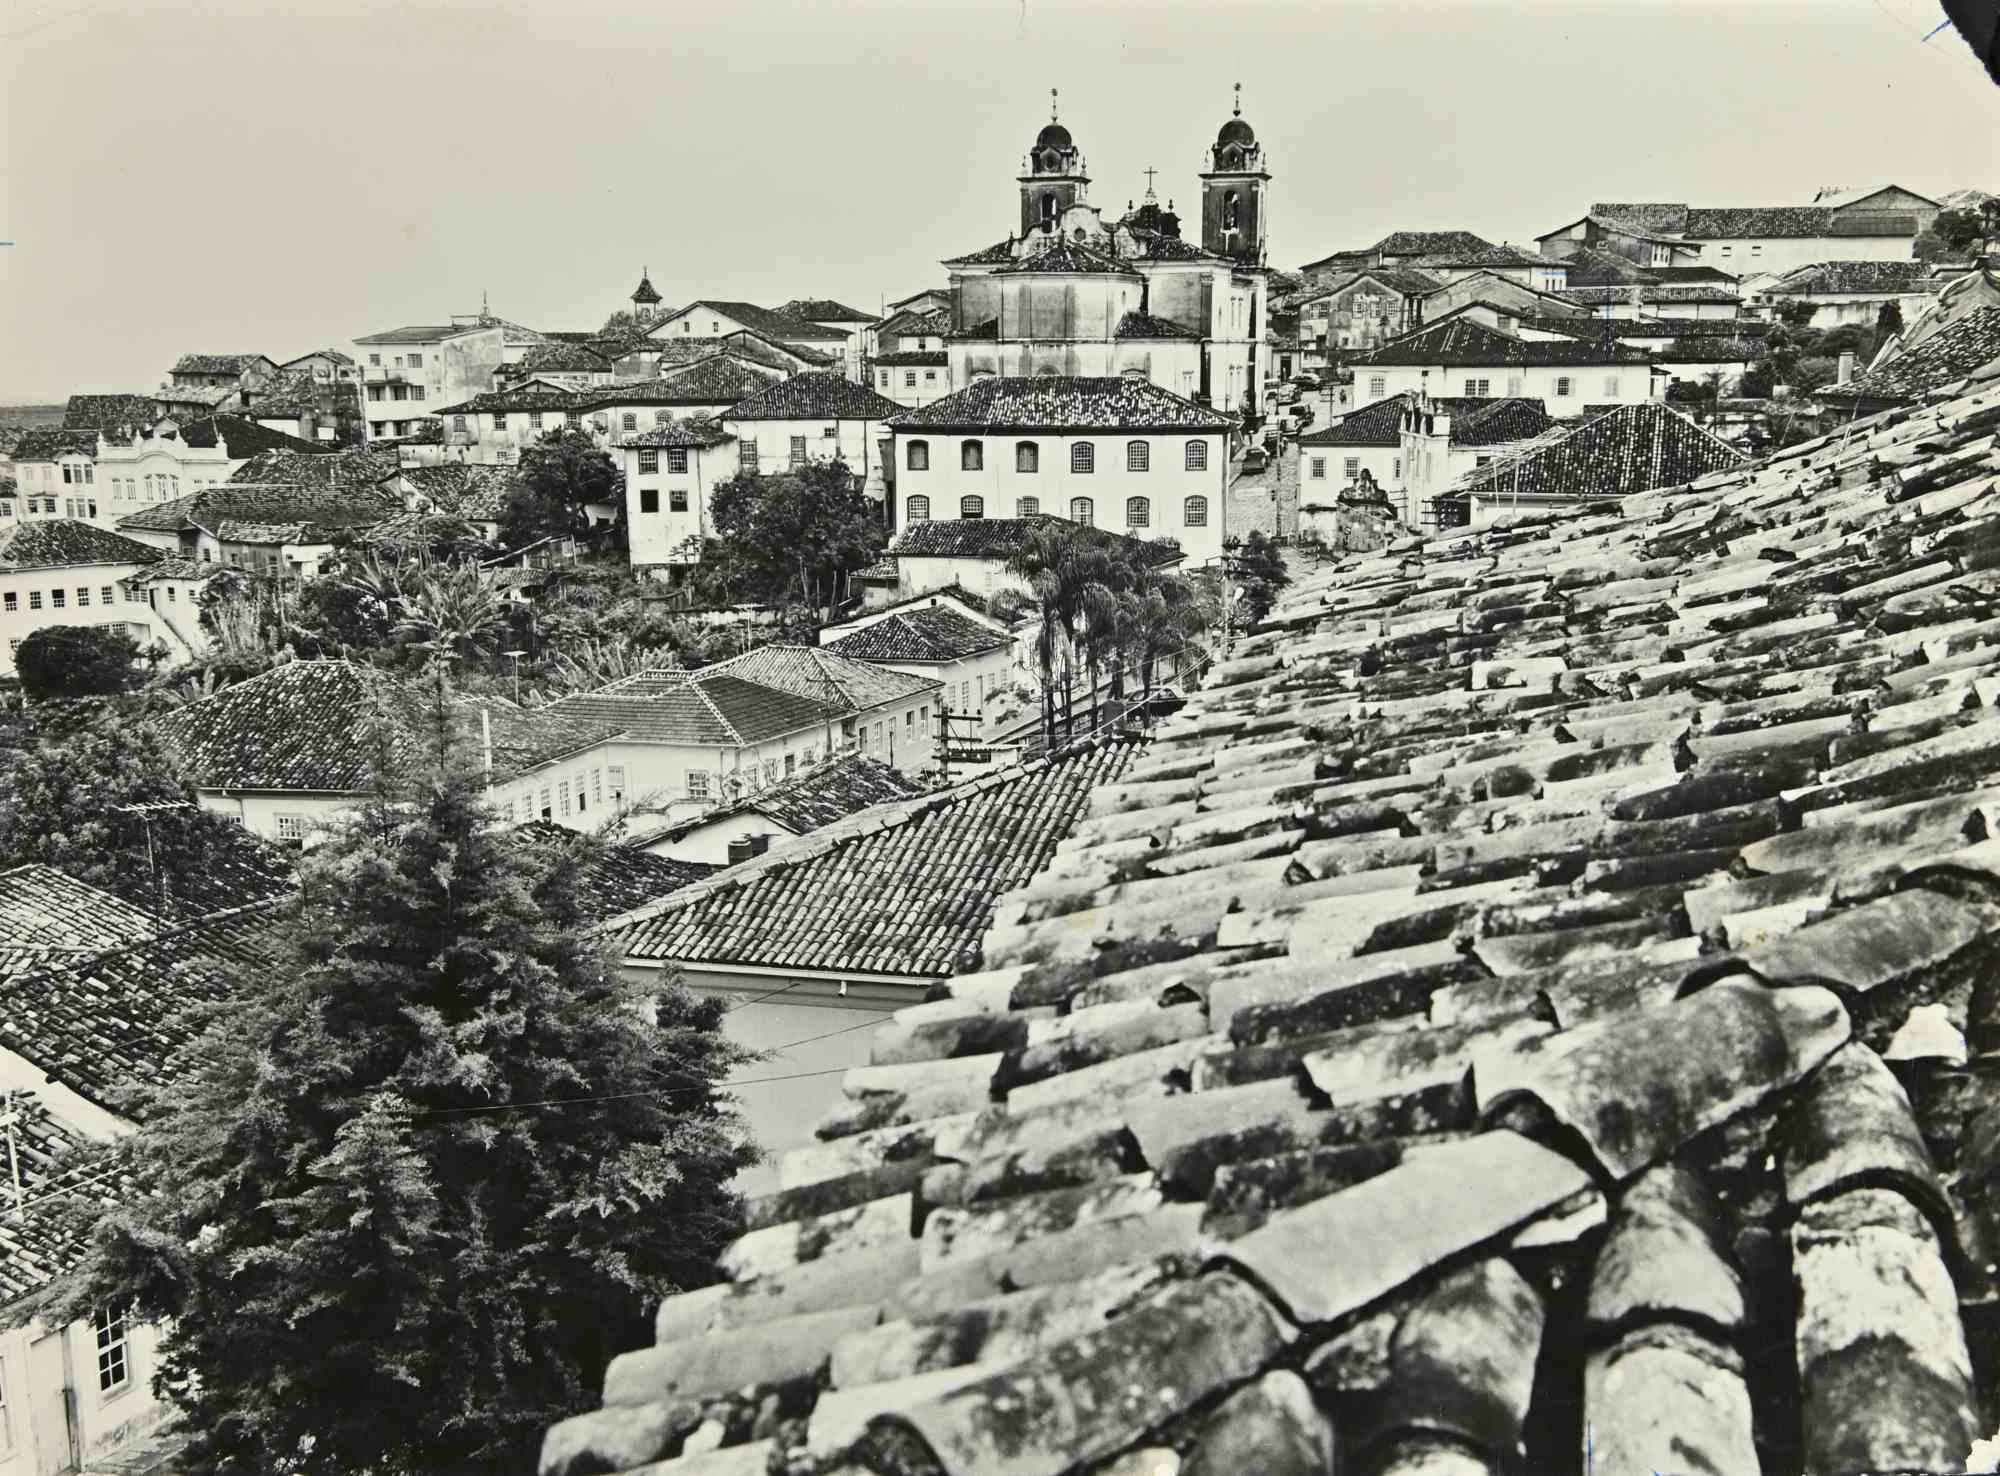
(1052, 105)
(1238, 111)
(1149, 183)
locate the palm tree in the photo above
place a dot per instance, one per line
(1045, 558)
(452, 609)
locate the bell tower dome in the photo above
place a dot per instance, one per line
(1053, 177)
(645, 300)
(1233, 191)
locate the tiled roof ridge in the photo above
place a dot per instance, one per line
(714, 711)
(816, 843)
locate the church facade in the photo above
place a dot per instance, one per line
(1072, 293)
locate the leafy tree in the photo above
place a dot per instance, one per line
(1888, 321)
(561, 475)
(1759, 380)
(799, 535)
(66, 802)
(410, 1190)
(77, 661)
(1259, 568)
(622, 322)
(1797, 313)
(452, 609)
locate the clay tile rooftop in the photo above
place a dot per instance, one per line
(1533, 1010)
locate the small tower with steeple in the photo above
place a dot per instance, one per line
(1054, 177)
(1233, 190)
(645, 300)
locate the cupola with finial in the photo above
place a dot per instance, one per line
(1053, 178)
(645, 299)
(1233, 190)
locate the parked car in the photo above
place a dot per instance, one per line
(1255, 460)
(1307, 381)
(1299, 416)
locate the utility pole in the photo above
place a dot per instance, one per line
(145, 812)
(8, 1118)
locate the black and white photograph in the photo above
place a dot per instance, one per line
(1000, 738)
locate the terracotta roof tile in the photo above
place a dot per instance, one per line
(60, 543)
(1947, 356)
(1056, 402)
(816, 396)
(919, 635)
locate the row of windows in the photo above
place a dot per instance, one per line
(677, 460)
(1350, 468)
(416, 361)
(1479, 389)
(570, 794)
(1082, 456)
(59, 598)
(1138, 510)
(75, 473)
(909, 378)
(156, 487)
(397, 391)
(71, 507)
(649, 499)
(381, 428)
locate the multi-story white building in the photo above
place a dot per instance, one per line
(911, 365)
(1465, 358)
(814, 417)
(671, 473)
(850, 321)
(1121, 454)
(716, 319)
(407, 373)
(57, 571)
(100, 476)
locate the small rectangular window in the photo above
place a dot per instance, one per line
(698, 783)
(677, 461)
(82, 596)
(56, 598)
(1351, 467)
(1319, 468)
(614, 775)
(291, 827)
(677, 499)
(909, 379)
(13, 600)
(649, 461)
(114, 1365)
(649, 499)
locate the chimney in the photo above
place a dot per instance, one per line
(759, 844)
(1844, 367)
(741, 849)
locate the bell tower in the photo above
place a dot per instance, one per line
(1053, 178)
(645, 298)
(1233, 190)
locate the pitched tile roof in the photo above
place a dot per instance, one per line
(1947, 356)
(718, 379)
(821, 676)
(768, 350)
(1146, 325)
(351, 468)
(1631, 449)
(912, 358)
(1474, 422)
(1761, 220)
(931, 635)
(1485, 255)
(1467, 341)
(1589, 267)
(691, 433)
(296, 728)
(1058, 402)
(1431, 243)
(243, 437)
(526, 396)
(1070, 258)
(1583, 325)
(998, 538)
(462, 489)
(318, 509)
(818, 796)
(1667, 218)
(1911, 277)
(824, 310)
(736, 702)
(998, 254)
(46, 443)
(903, 888)
(1534, 978)
(67, 1181)
(613, 879)
(62, 543)
(815, 396)
(217, 363)
(779, 325)
(425, 332)
(1379, 424)
(558, 356)
(1649, 293)
(46, 908)
(111, 414)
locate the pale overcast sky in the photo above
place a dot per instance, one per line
(247, 176)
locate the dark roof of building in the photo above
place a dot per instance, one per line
(1379, 424)
(903, 888)
(562, 357)
(351, 468)
(1071, 258)
(269, 504)
(822, 676)
(672, 707)
(44, 908)
(332, 355)
(1665, 218)
(1911, 277)
(67, 1182)
(218, 363)
(719, 379)
(690, 434)
(779, 325)
(927, 635)
(1483, 255)
(1691, 274)
(1940, 361)
(1630, 449)
(1154, 246)
(1589, 267)
(61, 543)
(46, 443)
(766, 349)
(818, 796)
(1760, 220)
(1474, 422)
(645, 292)
(462, 489)
(426, 332)
(815, 396)
(1146, 325)
(1466, 341)
(912, 358)
(527, 396)
(998, 538)
(1525, 987)
(298, 728)
(113, 415)
(824, 310)
(613, 878)
(762, 694)
(998, 254)
(1056, 402)
(1431, 243)
(1585, 325)
(243, 437)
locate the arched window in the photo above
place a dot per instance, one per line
(1027, 456)
(919, 509)
(1080, 511)
(631, 421)
(1083, 457)
(1195, 514)
(662, 417)
(972, 506)
(1138, 456)
(1049, 200)
(1027, 507)
(1138, 513)
(1229, 211)
(918, 457)
(1197, 456)
(972, 456)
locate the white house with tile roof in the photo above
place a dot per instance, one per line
(718, 319)
(828, 313)
(63, 572)
(671, 473)
(973, 658)
(406, 373)
(1119, 454)
(822, 416)
(1467, 358)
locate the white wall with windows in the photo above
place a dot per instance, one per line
(778, 445)
(669, 499)
(1150, 485)
(82, 594)
(83, 1390)
(405, 380)
(67, 487)
(1563, 389)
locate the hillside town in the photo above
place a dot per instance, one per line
(609, 897)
